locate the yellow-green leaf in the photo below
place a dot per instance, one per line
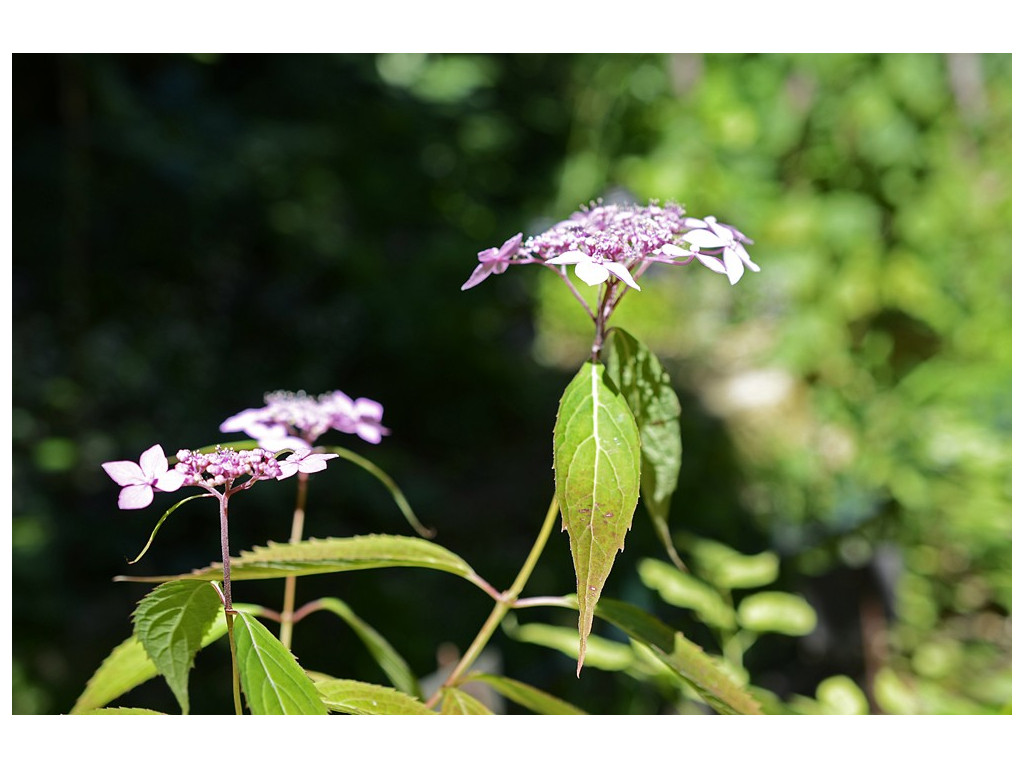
(458, 702)
(779, 612)
(685, 591)
(534, 699)
(272, 680)
(389, 660)
(315, 556)
(597, 482)
(353, 697)
(128, 666)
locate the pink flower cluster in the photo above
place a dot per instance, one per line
(606, 242)
(225, 465)
(294, 420)
(221, 468)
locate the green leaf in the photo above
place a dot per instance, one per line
(685, 591)
(777, 612)
(353, 697)
(645, 385)
(527, 696)
(839, 695)
(161, 522)
(597, 482)
(602, 653)
(687, 660)
(315, 556)
(681, 656)
(729, 569)
(122, 711)
(171, 622)
(389, 660)
(385, 479)
(272, 680)
(457, 702)
(128, 666)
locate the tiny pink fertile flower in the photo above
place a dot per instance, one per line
(137, 481)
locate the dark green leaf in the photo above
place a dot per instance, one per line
(457, 702)
(597, 482)
(171, 622)
(387, 657)
(353, 697)
(527, 696)
(272, 680)
(645, 385)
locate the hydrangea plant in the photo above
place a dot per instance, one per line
(616, 440)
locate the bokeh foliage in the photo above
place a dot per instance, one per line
(192, 231)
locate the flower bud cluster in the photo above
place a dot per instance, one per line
(225, 465)
(612, 232)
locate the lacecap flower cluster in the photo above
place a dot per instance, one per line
(617, 242)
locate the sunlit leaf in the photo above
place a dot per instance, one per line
(122, 711)
(128, 666)
(601, 653)
(597, 482)
(271, 678)
(315, 556)
(839, 695)
(531, 698)
(728, 569)
(353, 697)
(685, 591)
(777, 612)
(645, 385)
(389, 660)
(457, 702)
(687, 660)
(171, 622)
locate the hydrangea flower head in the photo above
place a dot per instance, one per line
(294, 420)
(617, 242)
(138, 481)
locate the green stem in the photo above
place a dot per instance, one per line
(298, 521)
(235, 686)
(501, 607)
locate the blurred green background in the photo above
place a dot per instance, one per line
(193, 231)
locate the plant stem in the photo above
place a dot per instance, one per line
(298, 521)
(235, 687)
(225, 551)
(229, 612)
(501, 607)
